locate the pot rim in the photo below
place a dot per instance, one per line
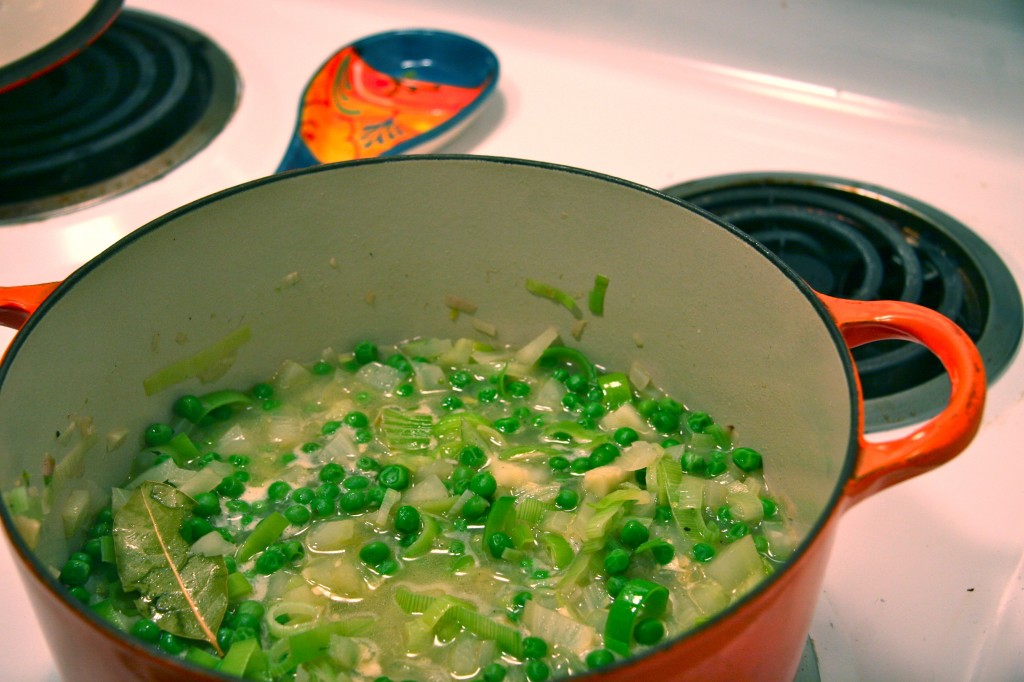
(831, 507)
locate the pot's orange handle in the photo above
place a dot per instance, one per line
(882, 464)
(17, 303)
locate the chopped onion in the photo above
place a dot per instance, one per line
(213, 544)
(639, 376)
(558, 629)
(391, 497)
(384, 378)
(638, 455)
(531, 352)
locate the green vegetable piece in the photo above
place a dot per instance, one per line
(498, 542)
(638, 598)
(537, 671)
(185, 593)
(564, 355)
(267, 531)
(554, 294)
(615, 389)
(595, 299)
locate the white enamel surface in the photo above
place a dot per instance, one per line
(30, 25)
(924, 98)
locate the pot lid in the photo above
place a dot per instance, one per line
(37, 35)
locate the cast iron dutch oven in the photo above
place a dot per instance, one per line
(333, 255)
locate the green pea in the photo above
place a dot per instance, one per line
(322, 368)
(171, 643)
(189, 407)
(451, 402)
(664, 421)
(394, 476)
(365, 353)
(472, 456)
(698, 422)
(603, 454)
(634, 534)
(352, 501)
(146, 630)
(362, 435)
(537, 671)
(567, 499)
(558, 463)
(580, 465)
(357, 419)
(571, 402)
(263, 391)
(322, 506)
(649, 631)
(577, 383)
(460, 379)
(483, 484)
(616, 562)
(399, 362)
(270, 561)
(598, 658)
(475, 508)
(692, 463)
(493, 672)
(747, 459)
(497, 543)
(625, 436)
(356, 482)
(158, 434)
(297, 514)
(404, 390)
(614, 585)
(703, 551)
(534, 648)
(330, 427)
(332, 472)
(769, 507)
(278, 490)
(230, 487)
(594, 410)
(302, 495)
(506, 424)
(207, 505)
(407, 519)
(374, 553)
(663, 552)
(367, 464)
(487, 395)
(518, 389)
(75, 572)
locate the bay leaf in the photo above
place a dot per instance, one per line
(185, 594)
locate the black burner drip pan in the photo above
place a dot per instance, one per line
(146, 96)
(864, 242)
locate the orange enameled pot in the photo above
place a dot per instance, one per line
(328, 256)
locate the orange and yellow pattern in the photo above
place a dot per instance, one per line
(351, 110)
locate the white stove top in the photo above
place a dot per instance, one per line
(927, 579)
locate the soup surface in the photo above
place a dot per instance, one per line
(434, 510)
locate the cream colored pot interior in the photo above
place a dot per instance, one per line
(332, 256)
